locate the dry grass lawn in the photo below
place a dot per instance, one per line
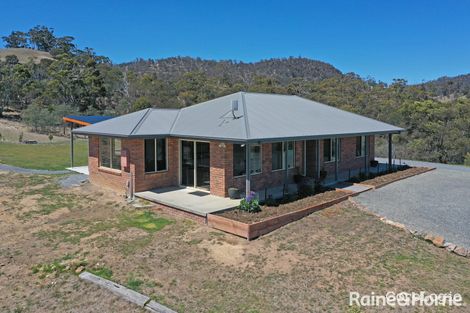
(309, 265)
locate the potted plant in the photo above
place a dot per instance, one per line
(234, 193)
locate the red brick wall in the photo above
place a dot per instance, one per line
(221, 170)
(117, 179)
(348, 158)
(267, 177)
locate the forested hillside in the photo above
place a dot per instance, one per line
(78, 80)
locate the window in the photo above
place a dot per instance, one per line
(329, 149)
(360, 146)
(155, 155)
(278, 156)
(110, 152)
(290, 154)
(239, 164)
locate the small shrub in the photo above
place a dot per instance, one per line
(20, 137)
(250, 204)
(305, 191)
(51, 137)
(298, 178)
(466, 161)
(270, 201)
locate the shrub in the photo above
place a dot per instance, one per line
(467, 159)
(270, 201)
(305, 191)
(298, 178)
(250, 204)
(51, 137)
(20, 137)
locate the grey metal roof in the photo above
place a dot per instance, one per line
(260, 117)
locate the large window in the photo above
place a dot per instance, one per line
(110, 152)
(360, 146)
(155, 155)
(278, 156)
(239, 163)
(329, 149)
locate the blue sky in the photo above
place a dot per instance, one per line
(416, 39)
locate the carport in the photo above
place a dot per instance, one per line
(76, 121)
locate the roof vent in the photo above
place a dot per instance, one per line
(234, 108)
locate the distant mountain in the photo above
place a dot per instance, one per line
(449, 86)
(25, 54)
(283, 70)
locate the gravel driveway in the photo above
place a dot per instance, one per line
(436, 202)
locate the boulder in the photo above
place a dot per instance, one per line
(460, 251)
(450, 246)
(438, 241)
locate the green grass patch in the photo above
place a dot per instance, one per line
(43, 156)
(134, 284)
(102, 271)
(52, 197)
(145, 220)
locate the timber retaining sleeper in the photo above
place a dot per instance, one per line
(253, 230)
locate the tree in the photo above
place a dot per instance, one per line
(42, 38)
(16, 39)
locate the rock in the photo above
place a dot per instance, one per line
(450, 246)
(79, 270)
(438, 241)
(460, 251)
(429, 237)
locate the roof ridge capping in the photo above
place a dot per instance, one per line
(140, 122)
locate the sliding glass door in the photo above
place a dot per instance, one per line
(195, 164)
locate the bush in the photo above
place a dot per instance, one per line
(305, 191)
(466, 161)
(270, 201)
(250, 204)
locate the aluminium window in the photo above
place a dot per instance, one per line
(155, 155)
(110, 153)
(360, 146)
(239, 159)
(329, 149)
(279, 157)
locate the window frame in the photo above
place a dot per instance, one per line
(111, 145)
(284, 155)
(337, 143)
(155, 156)
(260, 163)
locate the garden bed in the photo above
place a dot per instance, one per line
(253, 225)
(383, 180)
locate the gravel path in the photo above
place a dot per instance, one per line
(436, 202)
(9, 168)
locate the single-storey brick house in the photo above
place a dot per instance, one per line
(250, 141)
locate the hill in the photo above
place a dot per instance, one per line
(449, 86)
(25, 54)
(282, 70)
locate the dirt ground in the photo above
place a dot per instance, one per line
(11, 130)
(307, 266)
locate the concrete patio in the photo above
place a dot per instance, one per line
(196, 201)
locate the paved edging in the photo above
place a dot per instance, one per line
(436, 240)
(15, 169)
(126, 293)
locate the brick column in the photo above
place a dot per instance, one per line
(220, 170)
